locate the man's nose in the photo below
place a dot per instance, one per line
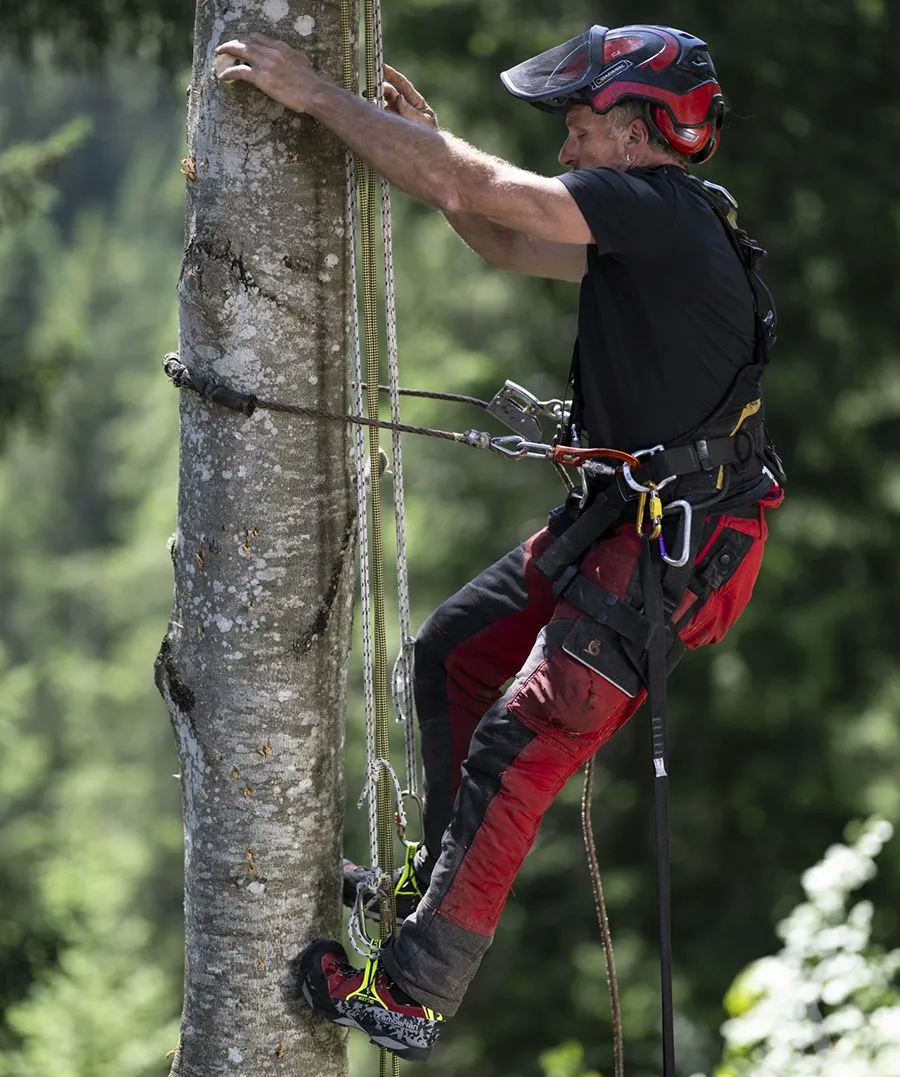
(566, 158)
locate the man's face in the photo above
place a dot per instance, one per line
(593, 141)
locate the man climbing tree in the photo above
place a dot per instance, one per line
(655, 558)
(254, 661)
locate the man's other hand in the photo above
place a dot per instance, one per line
(282, 73)
(402, 97)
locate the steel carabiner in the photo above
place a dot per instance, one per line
(687, 517)
(516, 447)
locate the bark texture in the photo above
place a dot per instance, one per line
(253, 666)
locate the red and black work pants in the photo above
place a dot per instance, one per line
(495, 757)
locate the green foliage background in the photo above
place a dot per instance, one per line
(780, 735)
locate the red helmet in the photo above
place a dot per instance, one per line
(666, 68)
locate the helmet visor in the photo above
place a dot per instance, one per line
(551, 80)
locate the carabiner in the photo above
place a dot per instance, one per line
(687, 516)
(575, 456)
(400, 818)
(516, 447)
(634, 484)
(639, 514)
(649, 502)
(654, 510)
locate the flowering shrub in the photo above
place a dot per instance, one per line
(826, 1005)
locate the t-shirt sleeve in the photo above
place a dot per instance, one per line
(626, 214)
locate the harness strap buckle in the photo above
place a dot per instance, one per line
(703, 457)
(605, 608)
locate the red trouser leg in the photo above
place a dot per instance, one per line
(465, 653)
(550, 720)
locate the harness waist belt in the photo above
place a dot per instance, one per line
(617, 501)
(705, 454)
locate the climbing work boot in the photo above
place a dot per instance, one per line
(407, 892)
(368, 1000)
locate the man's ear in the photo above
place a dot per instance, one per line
(638, 134)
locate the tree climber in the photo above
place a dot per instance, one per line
(672, 339)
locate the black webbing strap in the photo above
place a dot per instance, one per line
(604, 607)
(705, 454)
(607, 508)
(651, 585)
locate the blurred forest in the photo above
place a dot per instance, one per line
(781, 736)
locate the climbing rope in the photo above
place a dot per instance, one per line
(380, 774)
(362, 482)
(612, 981)
(402, 677)
(428, 394)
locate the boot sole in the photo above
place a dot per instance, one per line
(410, 1054)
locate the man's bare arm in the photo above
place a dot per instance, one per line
(433, 166)
(505, 248)
(499, 246)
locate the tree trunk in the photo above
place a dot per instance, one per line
(253, 667)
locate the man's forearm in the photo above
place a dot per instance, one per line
(505, 248)
(433, 166)
(494, 242)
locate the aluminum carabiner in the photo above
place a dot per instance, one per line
(687, 517)
(516, 447)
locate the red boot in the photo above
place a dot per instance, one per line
(368, 1000)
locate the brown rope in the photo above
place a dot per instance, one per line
(603, 919)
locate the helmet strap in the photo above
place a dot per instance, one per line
(656, 136)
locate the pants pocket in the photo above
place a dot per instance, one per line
(582, 691)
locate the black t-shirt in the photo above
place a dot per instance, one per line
(665, 316)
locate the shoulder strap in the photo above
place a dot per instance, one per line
(750, 253)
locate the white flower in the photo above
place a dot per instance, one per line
(823, 1006)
